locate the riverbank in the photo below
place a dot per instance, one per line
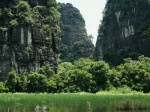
(102, 100)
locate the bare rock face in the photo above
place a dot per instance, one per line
(29, 36)
(124, 31)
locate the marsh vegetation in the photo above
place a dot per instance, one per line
(75, 102)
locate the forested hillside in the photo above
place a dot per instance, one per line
(124, 31)
(75, 43)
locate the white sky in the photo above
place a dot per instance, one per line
(91, 11)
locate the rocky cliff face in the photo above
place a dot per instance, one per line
(124, 31)
(29, 36)
(75, 43)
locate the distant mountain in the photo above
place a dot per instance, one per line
(124, 31)
(75, 43)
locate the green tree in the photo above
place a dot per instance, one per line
(65, 66)
(51, 3)
(83, 64)
(52, 87)
(73, 78)
(62, 80)
(21, 85)
(136, 74)
(46, 70)
(3, 88)
(100, 72)
(37, 82)
(81, 80)
(115, 77)
(90, 37)
(23, 13)
(11, 81)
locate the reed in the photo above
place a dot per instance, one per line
(85, 101)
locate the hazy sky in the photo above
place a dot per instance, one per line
(91, 11)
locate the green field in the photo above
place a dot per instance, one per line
(85, 101)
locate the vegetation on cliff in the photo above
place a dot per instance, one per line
(124, 31)
(29, 35)
(75, 43)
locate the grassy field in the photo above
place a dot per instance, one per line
(99, 101)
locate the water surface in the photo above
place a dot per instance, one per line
(63, 109)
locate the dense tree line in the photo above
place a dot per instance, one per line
(83, 75)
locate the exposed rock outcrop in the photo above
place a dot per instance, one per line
(124, 31)
(29, 36)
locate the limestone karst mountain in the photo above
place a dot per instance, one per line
(75, 43)
(29, 35)
(124, 31)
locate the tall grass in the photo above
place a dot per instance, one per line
(86, 101)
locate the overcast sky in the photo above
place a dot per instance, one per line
(91, 11)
